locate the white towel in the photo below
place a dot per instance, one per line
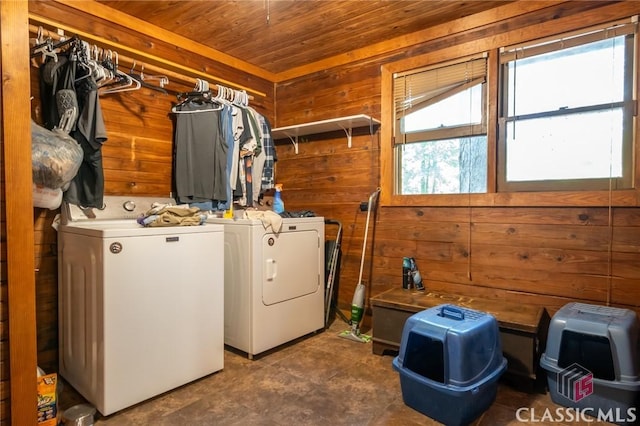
(267, 217)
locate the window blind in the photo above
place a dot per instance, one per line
(420, 88)
(568, 40)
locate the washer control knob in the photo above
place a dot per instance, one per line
(129, 206)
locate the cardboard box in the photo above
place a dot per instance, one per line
(47, 400)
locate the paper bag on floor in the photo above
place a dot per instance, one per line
(47, 400)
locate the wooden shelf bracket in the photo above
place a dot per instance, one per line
(347, 132)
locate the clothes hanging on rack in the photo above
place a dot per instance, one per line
(200, 153)
(250, 148)
(264, 155)
(270, 157)
(242, 132)
(66, 83)
(81, 73)
(87, 188)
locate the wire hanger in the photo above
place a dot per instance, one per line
(46, 49)
(142, 79)
(123, 82)
(201, 94)
(80, 53)
(163, 80)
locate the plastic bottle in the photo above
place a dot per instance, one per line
(415, 275)
(406, 274)
(228, 214)
(278, 204)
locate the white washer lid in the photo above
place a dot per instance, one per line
(115, 207)
(130, 228)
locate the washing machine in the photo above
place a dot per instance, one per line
(140, 308)
(274, 282)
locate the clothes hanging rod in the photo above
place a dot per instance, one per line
(193, 74)
(130, 62)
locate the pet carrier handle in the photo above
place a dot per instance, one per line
(452, 312)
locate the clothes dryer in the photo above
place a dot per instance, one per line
(140, 308)
(274, 282)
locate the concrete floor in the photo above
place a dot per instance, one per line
(320, 379)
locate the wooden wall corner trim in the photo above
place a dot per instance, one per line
(386, 139)
(16, 128)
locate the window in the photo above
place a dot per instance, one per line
(567, 112)
(440, 128)
(515, 125)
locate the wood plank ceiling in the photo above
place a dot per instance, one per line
(279, 35)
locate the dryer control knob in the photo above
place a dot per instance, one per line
(129, 206)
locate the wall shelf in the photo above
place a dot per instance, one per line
(347, 124)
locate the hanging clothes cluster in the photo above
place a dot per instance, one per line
(73, 74)
(68, 90)
(224, 152)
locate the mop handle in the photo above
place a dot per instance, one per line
(366, 232)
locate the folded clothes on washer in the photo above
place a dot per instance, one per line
(168, 215)
(269, 219)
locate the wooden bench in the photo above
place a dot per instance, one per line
(523, 328)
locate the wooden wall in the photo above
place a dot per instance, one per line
(543, 256)
(137, 158)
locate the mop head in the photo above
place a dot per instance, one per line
(356, 337)
(357, 312)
